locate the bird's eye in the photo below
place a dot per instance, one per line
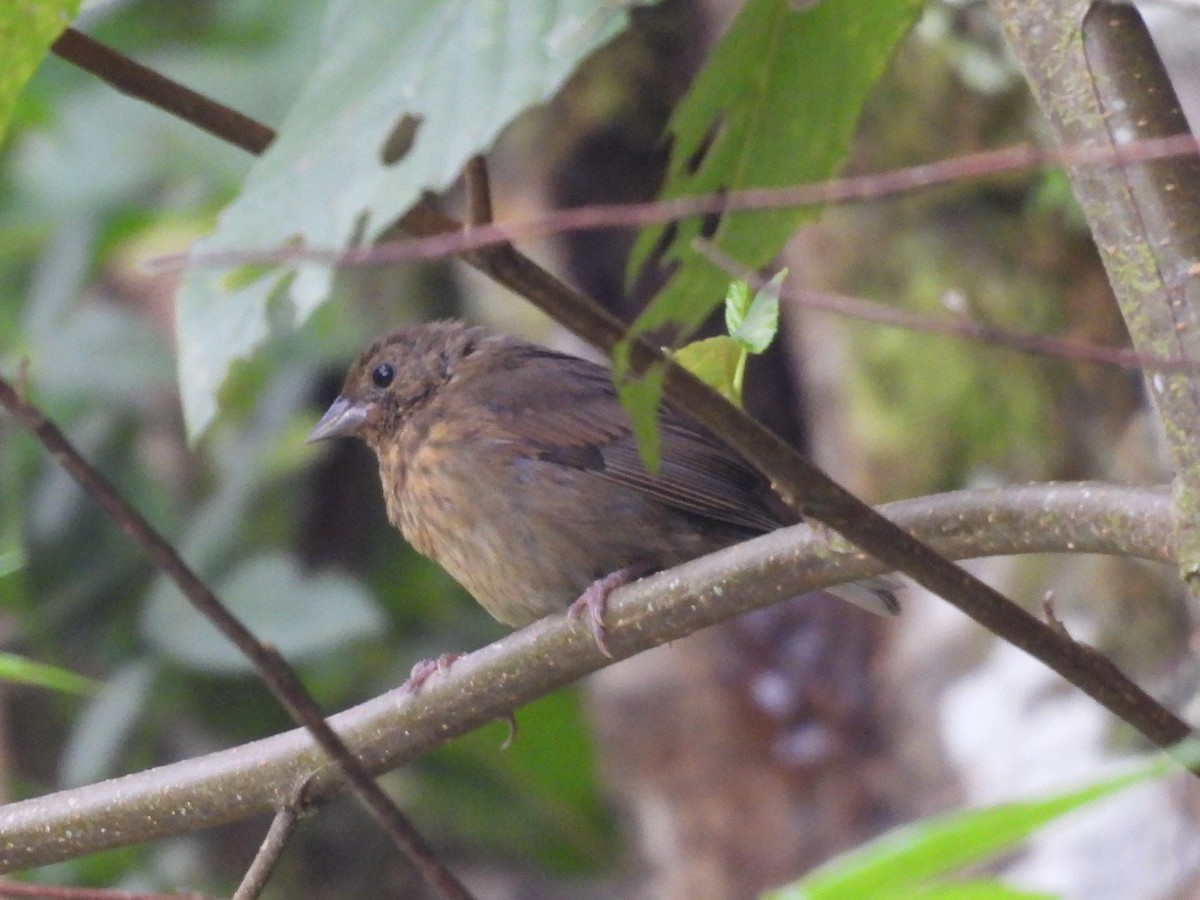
(383, 375)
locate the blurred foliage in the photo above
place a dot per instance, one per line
(20, 670)
(295, 539)
(928, 858)
(26, 30)
(924, 859)
(1009, 251)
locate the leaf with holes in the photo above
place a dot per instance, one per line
(402, 96)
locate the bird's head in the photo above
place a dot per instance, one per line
(396, 375)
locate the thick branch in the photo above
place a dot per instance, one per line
(1098, 78)
(398, 727)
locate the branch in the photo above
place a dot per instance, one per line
(138, 81)
(399, 727)
(1098, 78)
(283, 826)
(391, 250)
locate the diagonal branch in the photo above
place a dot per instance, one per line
(142, 83)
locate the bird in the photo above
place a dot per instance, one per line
(516, 469)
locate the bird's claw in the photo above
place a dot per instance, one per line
(592, 603)
(425, 669)
(594, 600)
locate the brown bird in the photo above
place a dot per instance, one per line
(514, 467)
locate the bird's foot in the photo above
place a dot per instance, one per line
(423, 670)
(594, 599)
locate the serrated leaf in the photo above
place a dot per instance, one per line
(775, 105)
(432, 83)
(302, 615)
(904, 861)
(759, 323)
(27, 29)
(717, 361)
(21, 670)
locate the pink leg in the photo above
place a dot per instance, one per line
(595, 597)
(422, 671)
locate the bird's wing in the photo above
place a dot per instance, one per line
(573, 418)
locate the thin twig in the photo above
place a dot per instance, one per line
(479, 192)
(269, 852)
(660, 212)
(274, 669)
(966, 329)
(143, 83)
(64, 892)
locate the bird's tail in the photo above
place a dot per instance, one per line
(876, 595)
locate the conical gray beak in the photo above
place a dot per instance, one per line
(343, 419)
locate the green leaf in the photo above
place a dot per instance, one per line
(717, 361)
(972, 890)
(640, 397)
(401, 97)
(720, 362)
(775, 105)
(20, 670)
(27, 29)
(758, 324)
(903, 862)
(737, 304)
(302, 615)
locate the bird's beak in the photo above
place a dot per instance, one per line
(343, 419)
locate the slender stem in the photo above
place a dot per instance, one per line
(283, 826)
(63, 892)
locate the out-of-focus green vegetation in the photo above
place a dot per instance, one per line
(93, 183)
